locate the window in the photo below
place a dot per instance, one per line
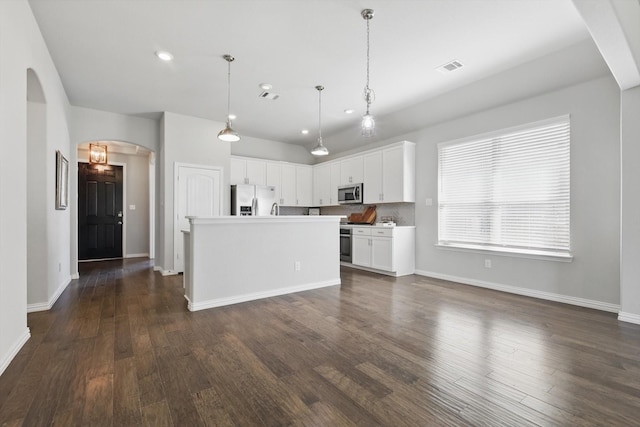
(507, 192)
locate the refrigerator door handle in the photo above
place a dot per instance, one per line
(254, 206)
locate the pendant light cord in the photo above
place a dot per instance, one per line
(228, 91)
(320, 115)
(369, 94)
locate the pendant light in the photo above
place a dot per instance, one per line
(368, 123)
(228, 134)
(320, 150)
(97, 154)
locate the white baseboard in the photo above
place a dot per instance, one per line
(629, 317)
(168, 272)
(219, 302)
(15, 348)
(137, 255)
(157, 268)
(75, 275)
(581, 302)
(44, 306)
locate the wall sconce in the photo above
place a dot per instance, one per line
(97, 154)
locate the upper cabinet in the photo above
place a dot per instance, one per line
(304, 185)
(293, 183)
(389, 174)
(248, 171)
(326, 180)
(351, 170)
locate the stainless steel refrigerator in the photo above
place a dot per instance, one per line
(253, 200)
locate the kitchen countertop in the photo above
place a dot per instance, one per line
(347, 226)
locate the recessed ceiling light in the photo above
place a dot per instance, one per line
(265, 86)
(305, 131)
(232, 117)
(349, 111)
(164, 55)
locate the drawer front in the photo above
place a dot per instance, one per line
(362, 231)
(382, 232)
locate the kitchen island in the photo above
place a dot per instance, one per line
(232, 259)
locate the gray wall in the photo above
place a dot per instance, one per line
(594, 274)
(271, 150)
(630, 269)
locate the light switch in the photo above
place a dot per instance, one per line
(132, 207)
(428, 202)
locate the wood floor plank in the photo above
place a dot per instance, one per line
(119, 347)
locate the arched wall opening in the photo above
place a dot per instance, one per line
(38, 193)
(138, 163)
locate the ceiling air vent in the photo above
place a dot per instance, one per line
(269, 95)
(450, 66)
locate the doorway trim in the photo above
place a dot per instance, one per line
(176, 224)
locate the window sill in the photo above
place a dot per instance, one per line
(510, 252)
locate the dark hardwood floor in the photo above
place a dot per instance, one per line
(120, 348)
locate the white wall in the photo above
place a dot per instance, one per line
(21, 48)
(193, 141)
(271, 150)
(594, 274)
(630, 231)
(94, 125)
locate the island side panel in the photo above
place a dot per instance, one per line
(235, 262)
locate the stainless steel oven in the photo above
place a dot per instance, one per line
(345, 244)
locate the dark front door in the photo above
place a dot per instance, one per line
(99, 211)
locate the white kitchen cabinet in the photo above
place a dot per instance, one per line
(389, 250)
(304, 185)
(326, 179)
(293, 182)
(389, 174)
(288, 193)
(274, 170)
(321, 184)
(247, 171)
(361, 250)
(372, 177)
(335, 183)
(351, 170)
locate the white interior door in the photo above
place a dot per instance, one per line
(198, 193)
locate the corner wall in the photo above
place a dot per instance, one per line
(193, 141)
(21, 48)
(630, 205)
(593, 278)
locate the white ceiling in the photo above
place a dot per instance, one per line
(104, 52)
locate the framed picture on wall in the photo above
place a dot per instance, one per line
(62, 181)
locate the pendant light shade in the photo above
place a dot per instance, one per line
(368, 125)
(320, 149)
(228, 134)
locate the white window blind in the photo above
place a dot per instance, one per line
(507, 192)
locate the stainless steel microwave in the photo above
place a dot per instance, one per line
(351, 193)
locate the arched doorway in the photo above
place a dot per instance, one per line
(138, 196)
(38, 193)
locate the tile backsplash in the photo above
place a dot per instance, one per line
(400, 213)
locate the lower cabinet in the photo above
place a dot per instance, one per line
(387, 249)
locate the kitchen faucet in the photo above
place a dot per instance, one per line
(275, 209)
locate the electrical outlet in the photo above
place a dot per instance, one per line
(428, 202)
(487, 263)
(296, 266)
